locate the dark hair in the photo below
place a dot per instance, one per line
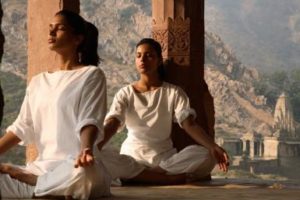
(157, 48)
(88, 49)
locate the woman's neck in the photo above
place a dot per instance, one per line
(147, 84)
(69, 62)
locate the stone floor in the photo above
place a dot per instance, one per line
(221, 189)
(217, 189)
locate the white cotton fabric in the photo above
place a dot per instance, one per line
(79, 183)
(13, 189)
(193, 159)
(55, 108)
(118, 165)
(148, 117)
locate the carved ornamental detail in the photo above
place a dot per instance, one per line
(174, 36)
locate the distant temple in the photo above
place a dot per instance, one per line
(284, 123)
(258, 153)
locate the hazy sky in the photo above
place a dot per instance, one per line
(263, 33)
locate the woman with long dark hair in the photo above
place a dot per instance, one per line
(61, 115)
(147, 108)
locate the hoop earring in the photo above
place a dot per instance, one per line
(79, 57)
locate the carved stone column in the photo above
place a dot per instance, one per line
(39, 15)
(179, 26)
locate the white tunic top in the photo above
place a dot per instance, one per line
(148, 117)
(56, 107)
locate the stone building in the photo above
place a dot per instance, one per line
(258, 152)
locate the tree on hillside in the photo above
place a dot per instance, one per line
(272, 85)
(294, 93)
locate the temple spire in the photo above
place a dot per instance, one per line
(283, 117)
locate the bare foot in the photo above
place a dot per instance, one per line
(152, 177)
(158, 169)
(18, 174)
(69, 198)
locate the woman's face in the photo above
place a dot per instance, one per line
(146, 59)
(61, 37)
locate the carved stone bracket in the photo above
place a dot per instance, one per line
(174, 36)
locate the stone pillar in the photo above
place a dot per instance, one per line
(179, 26)
(259, 148)
(244, 146)
(1, 54)
(39, 15)
(251, 153)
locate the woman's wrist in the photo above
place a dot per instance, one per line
(87, 150)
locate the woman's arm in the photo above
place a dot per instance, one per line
(91, 113)
(19, 174)
(88, 137)
(199, 135)
(7, 141)
(110, 128)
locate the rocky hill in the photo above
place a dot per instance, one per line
(13, 26)
(238, 109)
(121, 24)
